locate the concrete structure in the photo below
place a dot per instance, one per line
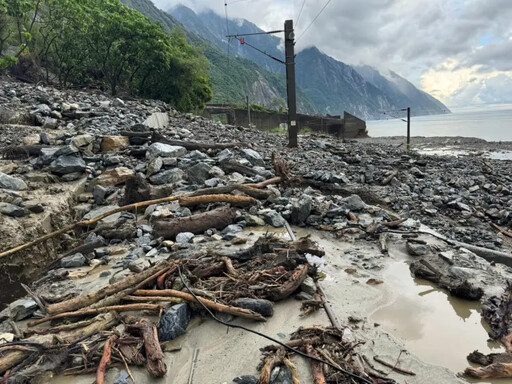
(347, 127)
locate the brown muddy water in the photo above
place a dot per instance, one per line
(437, 327)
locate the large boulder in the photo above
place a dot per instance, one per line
(174, 322)
(67, 164)
(197, 174)
(301, 209)
(169, 176)
(165, 150)
(253, 157)
(12, 210)
(10, 182)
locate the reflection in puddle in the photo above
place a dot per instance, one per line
(438, 328)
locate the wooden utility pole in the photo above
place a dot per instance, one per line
(408, 128)
(289, 44)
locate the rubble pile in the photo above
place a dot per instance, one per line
(138, 217)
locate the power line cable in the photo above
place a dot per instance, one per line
(298, 352)
(300, 13)
(261, 51)
(316, 17)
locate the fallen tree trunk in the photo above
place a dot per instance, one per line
(286, 289)
(237, 201)
(103, 322)
(247, 189)
(155, 362)
(233, 166)
(95, 311)
(235, 311)
(193, 145)
(493, 371)
(91, 298)
(218, 218)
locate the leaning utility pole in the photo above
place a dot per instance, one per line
(289, 44)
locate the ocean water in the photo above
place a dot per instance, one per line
(489, 122)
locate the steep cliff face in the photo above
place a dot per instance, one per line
(331, 85)
(233, 77)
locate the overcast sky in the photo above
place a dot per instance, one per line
(460, 51)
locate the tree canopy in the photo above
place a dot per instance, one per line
(104, 42)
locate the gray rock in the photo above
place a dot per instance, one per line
(301, 210)
(82, 140)
(308, 286)
(165, 150)
(22, 308)
(273, 218)
(12, 210)
(71, 176)
(246, 380)
(13, 183)
(47, 155)
(254, 221)
(123, 378)
(66, 150)
(213, 182)
(230, 232)
(155, 165)
(138, 265)
(171, 176)
(253, 156)
(261, 306)
(99, 193)
(100, 211)
(225, 155)
(67, 164)
(353, 203)
(184, 237)
(416, 249)
(174, 322)
(216, 172)
(198, 173)
(73, 261)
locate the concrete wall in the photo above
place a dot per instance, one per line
(349, 127)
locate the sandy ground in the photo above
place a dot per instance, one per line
(221, 353)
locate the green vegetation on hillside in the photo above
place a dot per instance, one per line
(104, 42)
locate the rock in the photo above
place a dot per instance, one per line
(114, 177)
(82, 140)
(138, 265)
(99, 193)
(10, 182)
(213, 182)
(261, 306)
(170, 176)
(308, 286)
(225, 155)
(354, 203)
(34, 207)
(246, 380)
(12, 210)
(123, 378)
(73, 261)
(47, 155)
(184, 237)
(216, 172)
(67, 164)
(174, 322)
(165, 150)
(253, 157)
(254, 221)
(416, 249)
(198, 173)
(273, 218)
(22, 308)
(230, 232)
(301, 210)
(66, 150)
(114, 143)
(102, 210)
(157, 120)
(154, 166)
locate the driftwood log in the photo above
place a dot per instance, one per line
(105, 360)
(102, 322)
(193, 145)
(155, 359)
(218, 218)
(235, 311)
(93, 297)
(493, 371)
(290, 286)
(233, 166)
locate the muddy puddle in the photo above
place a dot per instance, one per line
(438, 328)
